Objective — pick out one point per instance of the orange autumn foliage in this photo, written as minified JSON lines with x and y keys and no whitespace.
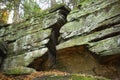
{"x":3,"y":16}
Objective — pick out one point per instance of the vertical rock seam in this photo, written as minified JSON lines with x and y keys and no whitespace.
{"x":55,"y":23}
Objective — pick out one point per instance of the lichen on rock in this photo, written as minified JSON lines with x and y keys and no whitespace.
{"x":29,"y":39}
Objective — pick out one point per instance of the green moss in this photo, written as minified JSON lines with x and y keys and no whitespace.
{"x":19,"y":70}
{"x":86,"y":2}
{"x":14,"y":71}
{"x":80,"y":77}
{"x":70,"y":77}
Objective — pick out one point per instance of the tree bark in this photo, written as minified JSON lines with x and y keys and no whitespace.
{"x":16,"y":11}
{"x":53,"y":2}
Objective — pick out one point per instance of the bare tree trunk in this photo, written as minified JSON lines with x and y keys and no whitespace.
{"x":16,"y":11}
{"x":63,"y":1}
{"x":53,"y":2}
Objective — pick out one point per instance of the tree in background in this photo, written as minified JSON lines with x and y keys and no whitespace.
{"x":23,"y":9}
{"x":11,"y":5}
{"x":4,"y":13}
{"x":16,"y":4}
{"x":30,"y":8}
{"x":53,"y":2}
{"x":3,"y":16}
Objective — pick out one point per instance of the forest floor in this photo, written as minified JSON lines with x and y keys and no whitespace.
{"x":32,"y":75}
{"x":50,"y":75}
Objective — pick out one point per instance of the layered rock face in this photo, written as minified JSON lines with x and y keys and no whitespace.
{"x":87,"y":40}
{"x":31,"y":39}
{"x":95,"y":24}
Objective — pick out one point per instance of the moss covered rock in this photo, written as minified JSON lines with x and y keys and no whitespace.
{"x":29,"y":39}
{"x":96,"y":24}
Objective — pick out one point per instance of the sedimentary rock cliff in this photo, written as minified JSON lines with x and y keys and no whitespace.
{"x":86,"y":40}
{"x":95,"y":24}
{"x":30,"y":39}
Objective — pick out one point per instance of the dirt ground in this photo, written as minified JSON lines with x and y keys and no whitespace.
{"x":32,"y":75}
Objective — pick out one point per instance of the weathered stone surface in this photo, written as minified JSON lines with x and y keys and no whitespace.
{"x":107,"y":46}
{"x":18,"y":64}
{"x":56,"y":17}
{"x":26,"y":41}
{"x":94,"y":26}
{"x":54,"y":20}
{"x":90,"y":38}
{"x":30,"y":39}
{"x":30,"y":42}
{"x":90,"y":7}
{"x":21,"y":29}
{"x":98,"y":29}
{"x":86,"y":23}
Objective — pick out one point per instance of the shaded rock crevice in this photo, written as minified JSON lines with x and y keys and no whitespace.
{"x":29,"y":40}
{"x":115,"y":32}
{"x":55,"y":24}
{"x":106,"y":24}
{"x":3,"y":51}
